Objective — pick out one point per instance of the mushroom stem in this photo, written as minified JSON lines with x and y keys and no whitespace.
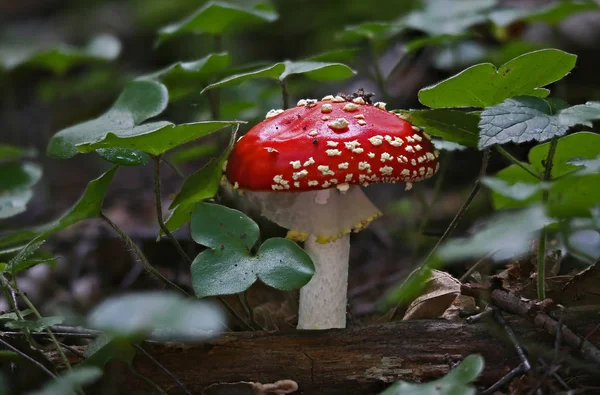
{"x":323,"y":299}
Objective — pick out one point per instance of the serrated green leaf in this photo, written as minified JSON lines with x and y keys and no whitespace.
{"x":228,"y":267}
{"x":88,"y":206}
{"x":70,"y":381}
{"x":581,"y":144}
{"x":10,"y":153}
{"x":156,"y":138}
{"x":217,"y":226}
{"x":456,"y":382}
{"x":139,"y":101}
{"x":183,"y":78}
{"x":518,"y":120}
{"x":37,"y":325}
{"x":455,"y":126}
{"x":319,"y":71}
{"x":218,"y":17}
{"x":16,"y":181}
{"x":448,"y":16}
{"x":161,"y":315}
{"x":483,"y":85}
{"x":504,"y":236}
{"x":102,"y":48}
{"x":124,"y":156}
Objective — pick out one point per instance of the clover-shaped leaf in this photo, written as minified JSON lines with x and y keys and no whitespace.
{"x":229,"y":267}
{"x":218,"y":17}
{"x":456,"y":382}
{"x":182,"y":78}
{"x":102,"y":48}
{"x":455,"y":126}
{"x":483,"y":85}
{"x":16,"y":181}
{"x":88,"y":206}
{"x":320,"y":71}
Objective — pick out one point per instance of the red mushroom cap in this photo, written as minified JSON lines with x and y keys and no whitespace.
{"x":330,"y":143}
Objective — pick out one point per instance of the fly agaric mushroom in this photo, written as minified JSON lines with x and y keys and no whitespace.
{"x":304,"y":167}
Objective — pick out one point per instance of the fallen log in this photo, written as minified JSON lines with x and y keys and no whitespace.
{"x":358,"y":360}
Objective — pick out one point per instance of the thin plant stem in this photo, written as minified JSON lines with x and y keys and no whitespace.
{"x":234,"y":313}
{"x":515,"y":161}
{"x":27,"y":357}
{"x":174,"y":167}
{"x":10,"y":296}
{"x":157,"y":388}
{"x":285,"y":96}
{"x":465,"y":206}
{"x":140,"y":255}
{"x":159,"y":212}
{"x":541,"y":269}
{"x":243,"y":298}
{"x":168,"y":372}
{"x":475,"y":266}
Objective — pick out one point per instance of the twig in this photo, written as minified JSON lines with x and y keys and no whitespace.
{"x":535,"y":310}
{"x":466,"y":204}
{"x":159,"y":213}
{"x":515,"y":161}
{"x":27,"y":357}
{"x":285,"y":97}
{"x":164,"y":369}
{"x":541,"y":269}
{"x":513,"y":338}
{"x":475,"y":318}
{"x":140,"y":255}
{"x":519,"y":370}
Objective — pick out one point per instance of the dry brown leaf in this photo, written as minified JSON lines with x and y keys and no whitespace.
{"x":462,"y":304}
{"x":439,"y":292}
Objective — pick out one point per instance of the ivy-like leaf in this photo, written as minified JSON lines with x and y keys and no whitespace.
{"x":218,"y":17}
{"x":455,"y":126}
{"x":518,"y":120}
{"x":16,"y":181}
{"x":319,"y":71}
{"x":101,"y":49}
{"x":70,"y":381}
{"x":483,"y":85}
{"x":37,"y":325}
{"x":88,"y":206}
{"x":505,"y":236}
{"x":139,"y":101}
{"x":454,"y":383}
{"x":161,"y":315}
{"x":10,"y":153}
{"x":448,"y":16}
{"x":183,"y":78}
{"x":228,"y":266}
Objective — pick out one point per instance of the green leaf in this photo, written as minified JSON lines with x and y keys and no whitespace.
{"x":582,"y":114}
{"x":179,"y":216}
{"x":201,"y":185}
{"x":16,"y":181}
{"x":124,"y":156}
{"x":504,"y":236}
{"x":342,"y":55}
{"x":156,"y":138}
{"x":448,"y":16}
{"x":431,"y":41}
{"x":319,"y":71}
{"x":183,"y":78}
{"x":516,"y":191}
{"x":101,"y":49}
{"x":13,"y":316}
{"x":372,"y":31}
{"x":483,"y":85}
{"x":456,"y":382}
{"x":518,"y":120}
{"x":218,"y":17}
{"x":105,"y":348}
{"x":574,"y":195}
{"x":196,"y":151}
{"x":455,"y":126}
{"x":515,"y":176}
{"x":551,"y":14}
{"x":37,"y":258}
{"x":581,"y":144}
{"x":70,"y":381}
{"x":228,"y":266}
{"x":11,"y":153}
{"x":139,"y":101}
{"x":37,"y":325}
{"x":162,"y":315}
{"x":88,"y":206}
{"x":590,"y":166}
